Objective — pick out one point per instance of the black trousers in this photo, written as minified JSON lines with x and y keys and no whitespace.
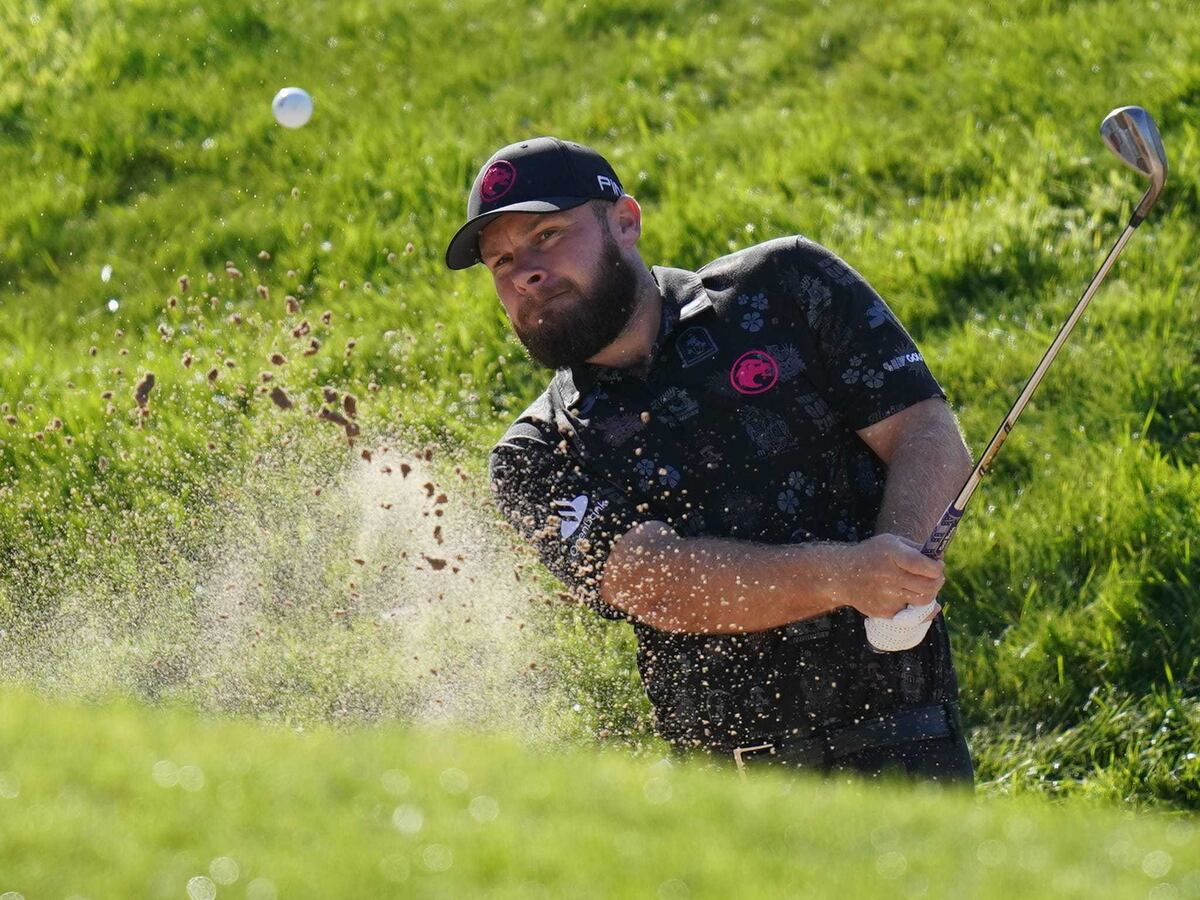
{"x":945,"y":759}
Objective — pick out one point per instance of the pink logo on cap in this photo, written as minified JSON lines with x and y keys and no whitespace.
{"x":498,"y":180}
{"x":754,"y":372}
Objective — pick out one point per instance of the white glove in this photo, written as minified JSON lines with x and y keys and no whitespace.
{"x":903,"y":631}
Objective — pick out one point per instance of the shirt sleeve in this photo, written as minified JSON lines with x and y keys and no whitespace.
{"x":570,"y":516}
{"x":873,"y":368}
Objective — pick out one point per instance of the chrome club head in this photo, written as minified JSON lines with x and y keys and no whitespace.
{"x":1132,"y":135}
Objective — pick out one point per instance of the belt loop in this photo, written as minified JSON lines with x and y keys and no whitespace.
{"x":737,"y":756}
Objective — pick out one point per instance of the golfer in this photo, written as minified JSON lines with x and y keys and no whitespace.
{"x":739,"y":461}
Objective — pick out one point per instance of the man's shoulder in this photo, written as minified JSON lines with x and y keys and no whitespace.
{"x":790,"y":248}
{"x":763,"y":263}
{"x":755,"y":253}
{"x":532,"y":452}
{"x":536,"y":427}
{"x":534,"y":424}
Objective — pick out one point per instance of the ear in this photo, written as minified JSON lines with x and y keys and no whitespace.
{"x":625,"y":221}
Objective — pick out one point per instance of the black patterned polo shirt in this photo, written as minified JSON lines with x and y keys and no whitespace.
{"x":767,"y":362}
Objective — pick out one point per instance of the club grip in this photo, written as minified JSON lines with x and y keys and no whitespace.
{"x":935,"y":546}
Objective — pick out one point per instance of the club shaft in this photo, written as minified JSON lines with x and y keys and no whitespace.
{"x":936,"y":545}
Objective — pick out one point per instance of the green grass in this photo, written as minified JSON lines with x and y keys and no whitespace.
{"x":950,"y":153}
{"x":160,"y":799}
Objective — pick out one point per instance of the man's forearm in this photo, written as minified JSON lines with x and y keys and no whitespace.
{"x":717,"y":586}
{"x":721,"y":586}
{"x":926,"y":471}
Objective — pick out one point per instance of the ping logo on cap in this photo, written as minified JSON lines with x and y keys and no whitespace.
{"x":607,"y":184}
{"x":498,"y":180}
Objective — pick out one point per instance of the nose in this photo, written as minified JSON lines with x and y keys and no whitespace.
{"x":527,"y":271}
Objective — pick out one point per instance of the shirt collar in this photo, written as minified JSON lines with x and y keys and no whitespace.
{"x":683,"y":296}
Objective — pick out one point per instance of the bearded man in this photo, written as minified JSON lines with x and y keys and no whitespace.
{"x":739,"y":461}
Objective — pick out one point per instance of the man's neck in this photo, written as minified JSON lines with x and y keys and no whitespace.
{"x":631,"y":349}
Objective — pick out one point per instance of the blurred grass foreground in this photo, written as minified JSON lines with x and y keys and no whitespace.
{"x":161,"y":806}
{"x":289,"y":521}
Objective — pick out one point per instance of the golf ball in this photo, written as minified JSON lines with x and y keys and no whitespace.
{"x":293,"y":107}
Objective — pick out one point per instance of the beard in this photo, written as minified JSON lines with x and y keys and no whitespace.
{"x":569,"y":333}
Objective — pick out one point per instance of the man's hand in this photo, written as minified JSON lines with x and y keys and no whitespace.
{"x":883,"y":574}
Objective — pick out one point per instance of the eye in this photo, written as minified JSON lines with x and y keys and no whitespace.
{"x":499,"y":261}
{"x":547,"y":232}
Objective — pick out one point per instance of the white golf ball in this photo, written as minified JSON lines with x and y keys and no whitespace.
{"x":293,"y":107}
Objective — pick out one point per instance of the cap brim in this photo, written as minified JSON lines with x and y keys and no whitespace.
{"x":463,"y":251}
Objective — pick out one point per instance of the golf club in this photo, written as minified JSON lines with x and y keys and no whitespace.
{"x":1131,"y":134}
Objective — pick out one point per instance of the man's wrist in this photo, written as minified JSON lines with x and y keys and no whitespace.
{"x":820,"y":572}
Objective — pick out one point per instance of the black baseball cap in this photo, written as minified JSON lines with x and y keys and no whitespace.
{"x":539,"y":175}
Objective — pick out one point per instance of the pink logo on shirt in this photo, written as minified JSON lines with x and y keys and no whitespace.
{"x":755,"y":372}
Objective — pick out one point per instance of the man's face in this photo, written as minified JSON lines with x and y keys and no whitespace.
{"x":563,"y":281}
